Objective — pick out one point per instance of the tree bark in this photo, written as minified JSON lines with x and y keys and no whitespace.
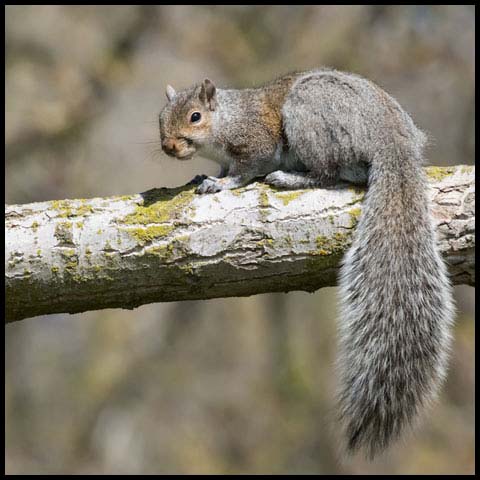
{"x":171,"y":244}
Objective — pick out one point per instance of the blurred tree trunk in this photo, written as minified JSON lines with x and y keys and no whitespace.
{"x":171,"y":244}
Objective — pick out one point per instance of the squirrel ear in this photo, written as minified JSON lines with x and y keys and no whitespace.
{"x":170,"y":91}
{"x":208,"y":94}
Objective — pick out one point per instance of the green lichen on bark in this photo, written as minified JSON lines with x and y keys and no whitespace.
{"x":67,"y":208}
{"x":63,"y":233}
{"x":70,"y":259}
{"x":354,"y":215}
{"x":149,"y":233}
{"x":264,"y":201}
{"x":163,"y":251}
{"x":265,"y":242}
{"x":161,"y":205}
{"x":329,"y":252}
{"x":237,"y":191}
{"x":177,"y":247}
{"x":287,"y":197}
{"x":466,"y":169}
{"x":439,"y":173}
{"x":334,"y":245}
{"x":158,"y":214}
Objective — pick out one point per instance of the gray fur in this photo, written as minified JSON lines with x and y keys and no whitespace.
{"x":395,"y":296}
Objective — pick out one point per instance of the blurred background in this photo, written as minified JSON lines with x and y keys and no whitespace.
{"x":238,"y":385}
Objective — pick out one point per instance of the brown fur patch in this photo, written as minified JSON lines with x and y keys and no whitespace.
{"x":274,"y":97}
{"x":238,"y":150}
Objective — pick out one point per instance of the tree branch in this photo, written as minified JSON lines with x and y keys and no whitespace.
{"x":170,"y":244}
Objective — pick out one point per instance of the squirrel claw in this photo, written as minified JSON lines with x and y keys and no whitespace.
{"x":209,"y":185}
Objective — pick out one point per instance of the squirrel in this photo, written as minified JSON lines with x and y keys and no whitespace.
{"x":314,"y":129}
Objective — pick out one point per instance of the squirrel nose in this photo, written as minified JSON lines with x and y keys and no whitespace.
{"x":169,"y":145}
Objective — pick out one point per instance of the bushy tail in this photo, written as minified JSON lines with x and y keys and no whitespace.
{"x":396,"y":308}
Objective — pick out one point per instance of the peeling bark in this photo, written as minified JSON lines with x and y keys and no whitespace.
{"x":171,"y":244}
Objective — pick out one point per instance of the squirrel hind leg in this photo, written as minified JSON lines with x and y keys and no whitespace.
{"x":355,"y":173}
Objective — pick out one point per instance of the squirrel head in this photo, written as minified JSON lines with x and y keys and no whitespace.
{"x":186,"y":120}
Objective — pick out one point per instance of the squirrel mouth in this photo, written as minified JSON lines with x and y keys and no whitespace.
{"x":187,"y":150}
{"x":185,"y":156}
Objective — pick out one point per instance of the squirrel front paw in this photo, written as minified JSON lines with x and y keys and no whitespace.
{"x":210,"y":185}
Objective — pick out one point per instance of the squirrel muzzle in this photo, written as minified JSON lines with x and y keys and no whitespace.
{"x":180,"y":148}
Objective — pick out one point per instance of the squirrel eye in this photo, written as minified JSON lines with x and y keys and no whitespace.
{"x":196,"y":116}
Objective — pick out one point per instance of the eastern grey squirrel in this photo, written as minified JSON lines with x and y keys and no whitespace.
{"x":312,"y":129}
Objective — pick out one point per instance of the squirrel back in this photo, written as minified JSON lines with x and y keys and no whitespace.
{"x":310,"y":130}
